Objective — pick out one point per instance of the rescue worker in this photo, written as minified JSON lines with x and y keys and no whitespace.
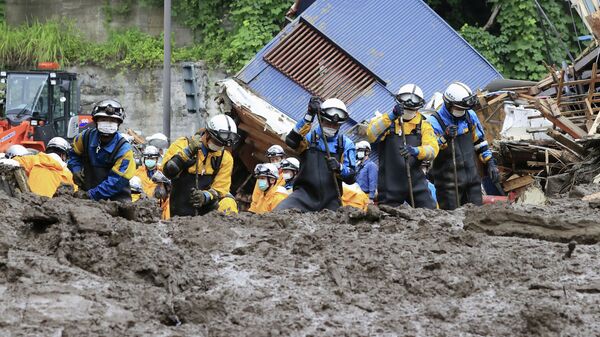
{"x":137,"y":192}
{"x":101,"y":159}
{"x":394,"y":155}
{"x":289,"y":170}
{"x":46,"y":171}
{"x":162,"y":192}
{"x":275,"y":154}
{"x":270,"y":193}
{"x":456,"y":125}
{"x":148,"y":168}
{"x":366,"y":171}
{"x":200,"y":167}
{"x":315,"y":187}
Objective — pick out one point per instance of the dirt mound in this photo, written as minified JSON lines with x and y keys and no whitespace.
{"x":77,"y":268}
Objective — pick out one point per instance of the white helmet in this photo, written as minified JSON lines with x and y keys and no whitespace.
{"x":58,"y":143}
{"x":275,"y":151}
{"x":135,"y":184}
{"x":290,"y":163}
{"x":459,"y":95}
{"x":222,"y":129}
{"x":151,"y":151}
{"x":411,"y":96}
{"x":159,"y":140}
{"x":266,"y":170}
{"x":17,"y":150}
{"x":334,"y":111}
{"x":9,"y":162}
{"x":363,"y":145}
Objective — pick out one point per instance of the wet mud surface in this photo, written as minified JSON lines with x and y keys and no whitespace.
{"x":77,"y":268}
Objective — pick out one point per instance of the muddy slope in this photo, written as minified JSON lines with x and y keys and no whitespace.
{"x":73,"y":268}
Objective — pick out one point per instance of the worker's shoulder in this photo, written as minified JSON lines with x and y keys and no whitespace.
{"x":473,"y":115}
{"x":227,"y":156}
{"x":348,"y":143}
{"x":282,"y":190}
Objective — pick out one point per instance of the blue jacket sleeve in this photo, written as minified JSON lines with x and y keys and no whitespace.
{"x":481,"y":145}
{"x":372,"y":172}
{"x":113,"y":184}
{"x":349,"y":165}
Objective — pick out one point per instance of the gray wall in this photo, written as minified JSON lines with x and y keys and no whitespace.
{"x":89,"y":17}
{"x":140,"y":92}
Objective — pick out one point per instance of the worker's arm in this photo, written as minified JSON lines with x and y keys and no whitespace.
{"x":481,"y":145}
{"x":278,"y":197}
{"x":379,"y":127}
{"x":75,"y":162}
{"x":118,"y":178}
{"x":372,"y":174}
{"x":429,"y":143}
{"x":296,"y":139}
{"x":348,"y":172}
{"x":26,"y":162}
{"x":222,"y":182}
{"x":438,"y":132}
{"x":177,"y":159}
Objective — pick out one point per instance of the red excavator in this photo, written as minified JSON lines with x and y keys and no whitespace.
{"x":39,"y":105}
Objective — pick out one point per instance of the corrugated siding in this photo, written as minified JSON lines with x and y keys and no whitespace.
{"x":400,"y":41}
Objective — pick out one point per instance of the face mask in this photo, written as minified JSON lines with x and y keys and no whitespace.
{"x":329,"y":132}
{"x":409,"y":114}
{"x":150,"y":163}
{"x":458,"y":113}
{"x":288,"y":176}
{"x":214,"y":147}
{"x":263,"y":184}
{"x":107,"y":128}
{"x":360,"y":154}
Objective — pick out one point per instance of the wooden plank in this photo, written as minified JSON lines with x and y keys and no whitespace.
{"x":516,"y":183}
{"x":549,"y":109}
{"x":594,"y":128}
{"x":559,"y":137}
{"x":561,"y":82}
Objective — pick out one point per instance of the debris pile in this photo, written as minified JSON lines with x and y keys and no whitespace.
{"x":548,"y":137}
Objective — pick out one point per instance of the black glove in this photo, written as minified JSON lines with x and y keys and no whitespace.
{"x":314,"y":105}
{"x":492,"y":171}
{"x":199,"y":198}
{"x":407,"y":151}
{"x":452,"y":131}
{"x":79,"y":179}
{"x":333,"y":165}
{"x":398,"y":110}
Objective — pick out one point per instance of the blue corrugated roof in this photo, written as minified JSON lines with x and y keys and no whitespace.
{"x":399,"y":41}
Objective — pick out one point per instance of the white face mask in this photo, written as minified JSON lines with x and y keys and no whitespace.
{"x":409,"y":114}
{"x":214,"y":147}
{"x":458,"y":113}
{"x":360,"y":154}
{"x":329,"y":132}
{"x":107,"y":128}
{"x":288,"y":176}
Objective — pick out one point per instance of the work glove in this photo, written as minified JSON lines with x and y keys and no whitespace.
{"x":492,"y":171}
{"x":194,"y":144}
{"x":314,"y":105}
{"x":398,"y":110}
{"x":199,"y":198}
{"x":452,"y":131}
{"x":79,"y":179}
{"x":408,"y":150}
{"x":334,"y":165}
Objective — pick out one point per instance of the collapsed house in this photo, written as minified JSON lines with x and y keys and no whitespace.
{"x":354,"y":50}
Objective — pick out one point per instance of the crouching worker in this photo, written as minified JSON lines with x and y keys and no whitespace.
{"x":101,"y":159}
{"x":397,"y":157}
{"x":315,"y":187}
{"x":200,"y":168}
{"x":270,"y":194}
{"x":46,"y":171}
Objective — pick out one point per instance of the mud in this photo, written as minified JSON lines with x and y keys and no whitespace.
{"x":72,"y":267}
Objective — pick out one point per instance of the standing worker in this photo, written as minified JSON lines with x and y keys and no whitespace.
{"x":270,"y":193}
{"x":322,"y":160}
{"x":459,"y":132}
{"x":394,"y":155}
{"x":101,"y":159}
{"x":46,"y":171}
{"x":200,"y":167}
{"x":366,"y":171}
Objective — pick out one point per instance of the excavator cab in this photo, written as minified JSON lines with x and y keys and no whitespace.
{"x":38,"y":106}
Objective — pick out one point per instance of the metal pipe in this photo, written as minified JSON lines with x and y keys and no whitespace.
{"x":167,"y":70}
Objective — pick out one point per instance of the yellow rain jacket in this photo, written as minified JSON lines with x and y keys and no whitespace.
{"x":147,"y":184}
{"x":354,"y":196}
{"x":227,"y":205}
{"x":45,"y":173}
{"x":268,"y":200}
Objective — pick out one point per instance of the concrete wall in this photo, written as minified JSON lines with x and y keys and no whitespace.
{"x":140,"y":92}
{"x":89,"y":17}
